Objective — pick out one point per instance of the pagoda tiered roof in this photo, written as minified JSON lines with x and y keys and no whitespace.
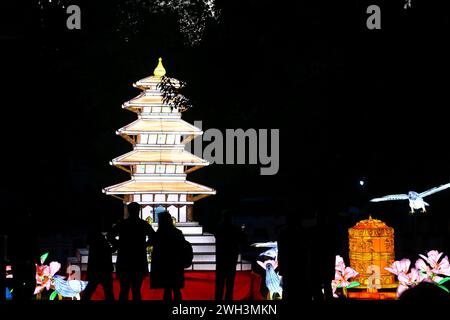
{"x":137,"y":186}
{"x":162,"y":126}
{"x":146,"y":100}
{"x":175,"y":156}
{"x":158,"y":162}
{"x":152,"y":83}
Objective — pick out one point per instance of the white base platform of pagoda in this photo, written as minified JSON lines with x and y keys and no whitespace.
{"x":203,"y":246}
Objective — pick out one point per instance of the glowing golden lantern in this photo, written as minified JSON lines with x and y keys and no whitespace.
{"x":371,"y":244}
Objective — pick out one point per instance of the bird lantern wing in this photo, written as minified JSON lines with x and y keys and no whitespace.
{"x":271,"y":244}
{"x":391,"y":197}
{"x":434,"y":190}
{"x":77,"y":285}
{"x":272,"y":253}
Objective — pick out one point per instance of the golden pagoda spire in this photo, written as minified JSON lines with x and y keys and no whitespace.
{"x":159,"y":70}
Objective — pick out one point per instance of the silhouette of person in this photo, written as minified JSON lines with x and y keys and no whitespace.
{"x":23,"y":253}
{"x":229,"y":240}
{"x":324,"y":242}
{"x":167,"y":270}
{"x":289,"y":235}
{"x":135,"y":236}
{"x":100,"y":265}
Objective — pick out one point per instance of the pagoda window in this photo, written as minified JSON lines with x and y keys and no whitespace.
{"x":182,"y":213}
{"x":170,"y":168}
{"x":160,"y":197}
{"x":147,"y":198}
{"x":150,"y":168}
{"x":147,"y":109}
{"x":174,"y":212}
{"x":140,"y":168}
{"x":147,"y":211}
{"x":166,"y":109}
{"x":182,"y":197}
{"x":170,"y":139}
{"x":143,"y":138}
{"x":160,"y":168}
{"x":180,"y":169}
{"x":162,"y":139}
{"x":156,"y":109}
{"x":152,"y":138}
{"x":177,"y":139}
{"x":172,"y":198}
{"x":136,"y":198}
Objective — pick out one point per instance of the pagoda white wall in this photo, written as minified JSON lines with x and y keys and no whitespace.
{"x":179,"y":212}
{"x":152,"y":139}
{"x":158,"y":169}
{"x":182,"y":214}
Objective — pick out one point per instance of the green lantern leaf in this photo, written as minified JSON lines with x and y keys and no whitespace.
{"x":444,"y":280}
{"x":53,"y":295}
{"x":353,"y":284}
{"x":443,"y":288}
{"x":44,"y":257}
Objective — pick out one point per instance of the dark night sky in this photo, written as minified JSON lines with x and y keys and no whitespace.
{"x":349,"y":102}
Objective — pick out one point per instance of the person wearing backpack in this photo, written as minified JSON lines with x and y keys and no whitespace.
{"x":168,"y":258}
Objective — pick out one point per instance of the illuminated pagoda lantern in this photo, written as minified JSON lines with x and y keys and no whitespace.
{"x":158,"y":166}
{"x":371,"y":249}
